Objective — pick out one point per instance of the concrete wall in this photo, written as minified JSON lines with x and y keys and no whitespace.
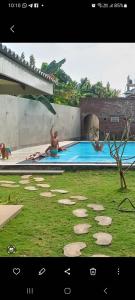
{"x":25,"y":122}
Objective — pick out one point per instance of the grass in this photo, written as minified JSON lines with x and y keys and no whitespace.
{"x":44,"y":226}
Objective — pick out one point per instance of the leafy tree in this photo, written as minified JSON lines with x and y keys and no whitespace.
{"x":68,"y":91}
{"x":32,"y":60}
{"x":22,"y":56}
{"x":54,"y":68}
{"x":44,"y":100}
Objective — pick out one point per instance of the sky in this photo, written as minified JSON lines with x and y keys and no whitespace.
{"x":104,"y":62}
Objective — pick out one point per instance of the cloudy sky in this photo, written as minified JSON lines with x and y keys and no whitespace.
{"x":104,"y":62}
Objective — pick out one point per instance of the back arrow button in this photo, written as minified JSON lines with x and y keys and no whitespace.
{"x":67,"y":271}
{"x":11,"y":28}
{"x":106,"y":291}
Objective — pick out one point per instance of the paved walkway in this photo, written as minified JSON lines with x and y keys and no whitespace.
{"x":8,"y":212}
{"x":21,"y":154}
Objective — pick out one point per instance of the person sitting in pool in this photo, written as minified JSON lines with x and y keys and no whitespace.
{"x":52,"y":151}
{"x":55,"y":140}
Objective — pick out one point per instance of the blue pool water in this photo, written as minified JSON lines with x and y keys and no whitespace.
{"x":84,"y":152}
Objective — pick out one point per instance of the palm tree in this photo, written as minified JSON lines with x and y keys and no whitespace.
{"x":45,"y":100}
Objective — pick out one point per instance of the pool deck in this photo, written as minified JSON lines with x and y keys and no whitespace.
{"x":20,"y":155}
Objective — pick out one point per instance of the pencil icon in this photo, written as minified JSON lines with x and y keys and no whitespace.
{"x":41,"y":272}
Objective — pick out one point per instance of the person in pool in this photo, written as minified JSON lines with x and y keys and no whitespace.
{"x":99,"y":146}
{"x":55,"y":143}
{"x":52,"y":151}
{"x":54,"y":138}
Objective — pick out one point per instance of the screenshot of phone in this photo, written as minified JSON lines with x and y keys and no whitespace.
{"x":67,"y":150}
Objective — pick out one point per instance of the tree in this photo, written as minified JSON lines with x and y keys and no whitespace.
{"x":69,"y":92}
{"x":22,"y":56}
{"x":54,"y":68}
{"x":32,"y":60}
{"x":117,"y":153}
{"x":44,"y":100}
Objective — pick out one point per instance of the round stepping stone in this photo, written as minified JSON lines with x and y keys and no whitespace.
{"x":10,"y":185}
{"x":81,"y":228}
{"x":99,"y":255}
{"x":44,"y":185}
{"x":24,"y":181}
{"x":66,"y":201}
{"x":6,"y":181}
{"x":79,"y":197}
{"x":26,"y":176}
{"x":103,"y":220}
{"x":47,"y":194}
{"x":103,"y":239}
{"x":80,"y":212}
{"x":39,"y":178}
{"x":60,"y":191}
{"x":30,"y":188}
{"x":74,"y":249}
{"x":96,"y":207}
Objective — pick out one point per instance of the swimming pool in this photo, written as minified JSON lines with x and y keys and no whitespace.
{"x":84,"y":153}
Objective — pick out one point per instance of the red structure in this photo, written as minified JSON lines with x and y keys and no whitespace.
{"x":107,"y":115}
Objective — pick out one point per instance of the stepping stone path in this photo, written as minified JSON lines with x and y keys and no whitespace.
{"x":39,"y":179}
{"x":99,"y":255}
{"x":79,"y":197}
{"x":30,"y":188}
{"x":60,"y":191}
{"x":96,"y":207}
{"x":81,"y":213}
{"x":47,"y":194}
{"x":74,"y":249}
{"x":103,"y":220}
{"x":26,"y":176}
{"x":103,"y":239}
{"x":44,"y":185}
{"x":24,"y":181}
{"x":10,"y":185}
{"x":66,"y":201}
{"x":5,"y":181}
{"x":81,"y":228}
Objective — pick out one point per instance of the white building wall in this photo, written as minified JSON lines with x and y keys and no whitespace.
{"x":25,"y":122}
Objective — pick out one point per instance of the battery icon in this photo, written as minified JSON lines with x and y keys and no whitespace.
{"x":36,"y":5}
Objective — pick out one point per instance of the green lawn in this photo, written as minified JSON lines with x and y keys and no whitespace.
{"x":44,"y":226}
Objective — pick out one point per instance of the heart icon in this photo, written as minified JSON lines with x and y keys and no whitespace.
{"x":16,"y":271}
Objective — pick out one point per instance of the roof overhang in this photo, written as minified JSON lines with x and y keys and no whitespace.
{"x":16,"y":79}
